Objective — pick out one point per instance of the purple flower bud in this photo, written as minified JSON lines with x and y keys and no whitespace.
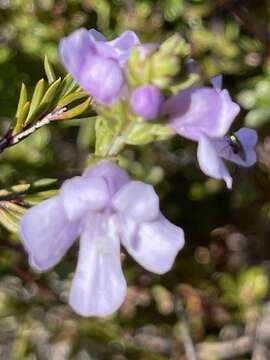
{"x":146,"y":101}
{"x":97,"y":64}
{"x":105,"y":209}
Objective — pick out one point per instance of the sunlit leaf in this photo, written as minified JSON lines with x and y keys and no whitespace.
{"x":71,"y":97}
{"x":49,"y":71}
{"x":36,"y":99}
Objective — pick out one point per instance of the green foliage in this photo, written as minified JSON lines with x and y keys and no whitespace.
{"x":213,"y":274}
{"x":246,"y":290}
{"x":49,"y":100}
{"x":255,"y":99}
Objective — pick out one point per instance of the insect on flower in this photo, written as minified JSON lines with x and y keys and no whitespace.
{"x":236,"y":146}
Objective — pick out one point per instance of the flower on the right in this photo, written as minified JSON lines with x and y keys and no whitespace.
{"x":205,"y":115}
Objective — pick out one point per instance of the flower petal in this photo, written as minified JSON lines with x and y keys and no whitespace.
{"x":246,"y":155}
{"x":229,"y":111}
{"x":248,"y":137}
{"x":102,"y":77}
{"x":194,"y":112}
{"x":138,"y":200}
{"x":96,"y":35}
{"x":216,"y":81}
{"x":99,"y":287}
{"x":74,"y":51}
{"x":210,"y":162}
{"x":114,"y":176}
{"x":81,"y":194}
{"x":47,"y":234}
{"x":154,"y":245}
{"x":124,"y":44}
{"x":201,"y":111}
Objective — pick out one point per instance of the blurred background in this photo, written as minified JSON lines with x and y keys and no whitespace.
{"x":222,"y":275}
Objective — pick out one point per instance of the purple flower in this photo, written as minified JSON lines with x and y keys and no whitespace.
{"x":146,"y":101}
{"x":205,"y":114}
{"x":97,"y":64}
{"x":105,"y":209}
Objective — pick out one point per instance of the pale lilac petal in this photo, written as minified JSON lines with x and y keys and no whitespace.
{"x":96,"y":35}
{"x":248,"y":137}
{"x":154,"y":245}
{"x":82,"y":194}
{"x":229,"y":111}
{"x":216,"y":81}
{"x":210,"y":162}
{"x":103,"y":78}
{"x":118,"y":49}
{"x":114,"y":176}
{"x":138,"y":200}
{"x":246,"y":156}
{"x":201,"y":111}
{"x":47,"y":234}
{"x":194,"y":112}
{"x":98,"y":287}
{"x":124,"y":44}
{"x":74,"y":51}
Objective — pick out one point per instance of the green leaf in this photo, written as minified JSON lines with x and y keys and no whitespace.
{"x":33,"y":199}
{"x":16,"y":209}
{"x":21,"y":118}
{"x":36,"y":99}
{"x":20,"y":188}
{"x":104,"y":136}
{"x":174,"y":45}
{"x":258,"y":117}
{"x":8,"y":220}
{"x":37,"y":113}
{"x":50,"y":93}
{"x":76,"y":111}
{"x":22,"y":99}
{"x":49,"y":71}
{"x":68,"y":85}
{"x":144,"y":133}
{"x":66,"y":100}
{"x":44,"y":182}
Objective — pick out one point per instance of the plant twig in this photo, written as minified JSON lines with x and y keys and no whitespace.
{"x":26,"y":277}
{"x":185,"y":333}
{"x":9,"y":139}
{"x":225,"y":349}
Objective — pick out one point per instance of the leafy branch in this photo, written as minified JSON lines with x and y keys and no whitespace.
{"x":52,"y":100}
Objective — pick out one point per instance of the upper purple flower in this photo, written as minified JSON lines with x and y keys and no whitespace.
{"x":146,"y":101}
{"x":104,"y":208}
{"x":97,"y":64}
{"x":205,"y":114}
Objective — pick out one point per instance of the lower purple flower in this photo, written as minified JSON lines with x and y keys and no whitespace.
{"x":105,"y":209}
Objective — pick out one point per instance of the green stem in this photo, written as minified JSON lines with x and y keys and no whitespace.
{"x":118,"y":142}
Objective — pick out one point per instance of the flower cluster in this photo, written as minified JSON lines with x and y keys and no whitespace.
{"x":201,"y":114}
{"x":105,"y":208}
